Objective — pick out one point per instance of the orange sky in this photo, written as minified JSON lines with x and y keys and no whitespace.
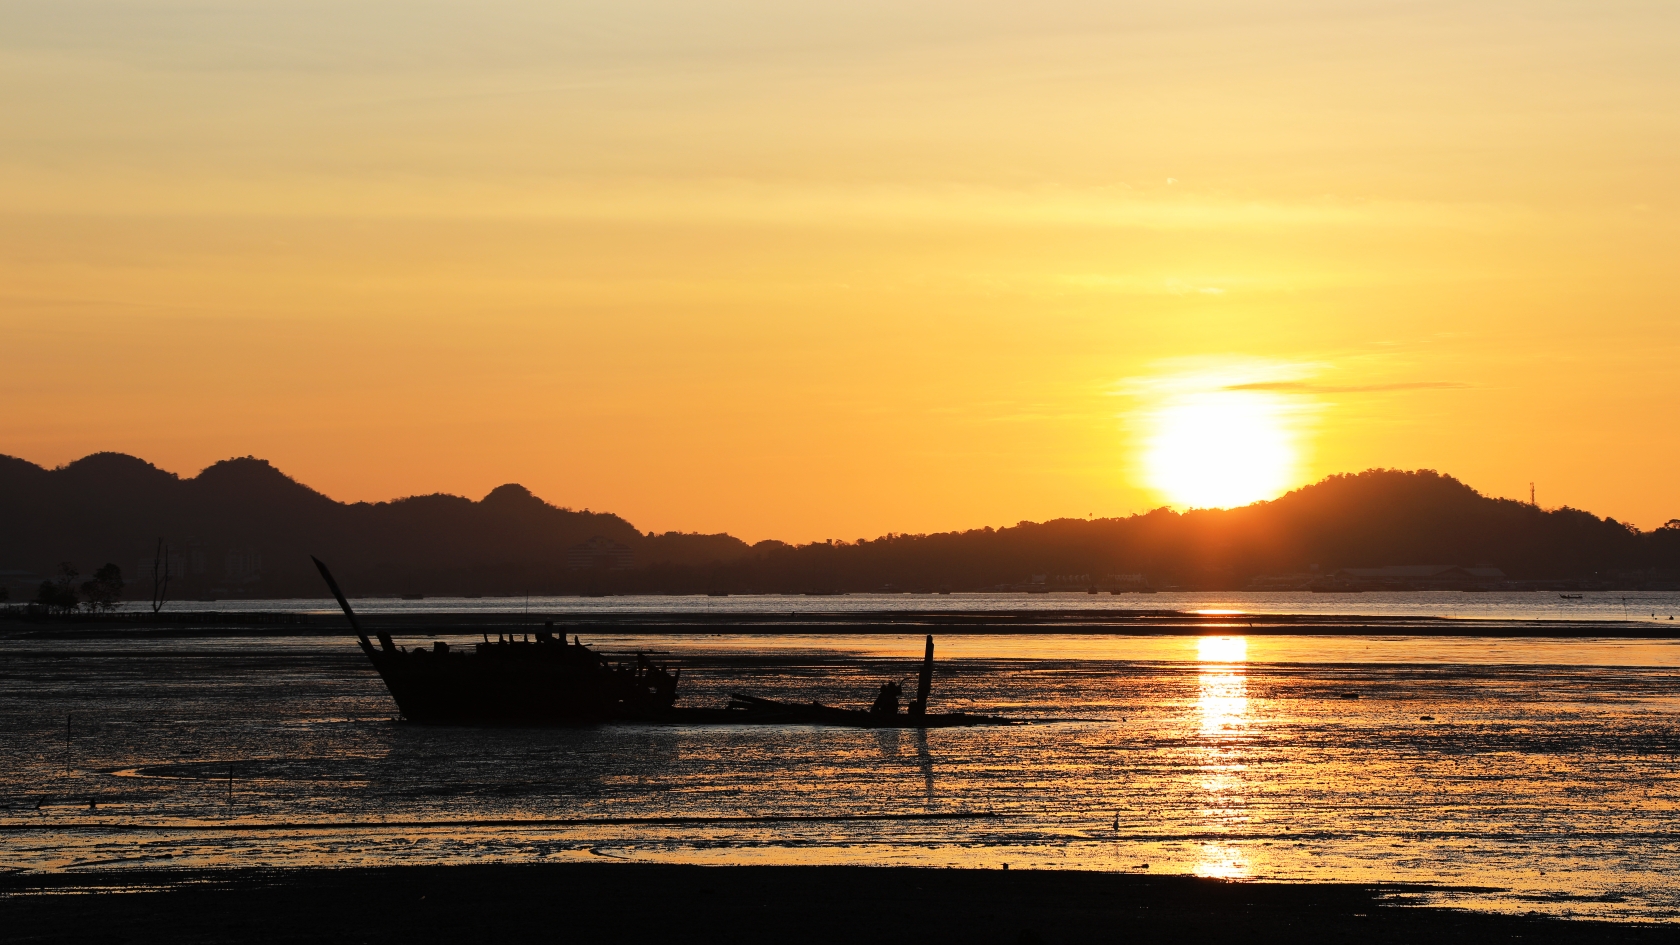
{"x":836,"y":269}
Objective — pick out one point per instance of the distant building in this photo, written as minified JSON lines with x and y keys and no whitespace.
{"x":242,"y":565}
{"x":599,"y":552}
{"x":193,"y":560}
{"x":1418,"y":577}
{"x":175,"y":563}
{"x":1282,"y":582}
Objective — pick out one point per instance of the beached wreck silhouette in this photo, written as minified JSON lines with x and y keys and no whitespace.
{"x":548,"y":681}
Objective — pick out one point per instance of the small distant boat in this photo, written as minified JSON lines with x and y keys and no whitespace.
{"x":1570,"y":596}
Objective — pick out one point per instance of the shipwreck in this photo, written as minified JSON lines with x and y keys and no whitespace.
{"x":548,"y":681}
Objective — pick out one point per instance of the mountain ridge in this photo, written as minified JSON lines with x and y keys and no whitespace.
{"x":114,"y":507}
{"x":242,"y":527}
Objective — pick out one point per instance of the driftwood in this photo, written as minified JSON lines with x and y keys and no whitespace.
{"x":753,"y":710}
{"x":883,"y":714}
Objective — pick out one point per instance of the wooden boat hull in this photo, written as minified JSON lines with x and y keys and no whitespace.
{"x":471,"y":689}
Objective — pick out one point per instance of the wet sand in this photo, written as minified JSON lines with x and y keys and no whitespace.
{"x":1546,"y":773}
{"x":740,"y":905}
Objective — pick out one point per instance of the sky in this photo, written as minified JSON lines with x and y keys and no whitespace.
{"x":833,"y":270}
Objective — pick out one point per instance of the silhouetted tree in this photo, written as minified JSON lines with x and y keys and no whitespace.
{"x":104,"y":589}
{"x":60,"y":596}
{"x":160,"y":576}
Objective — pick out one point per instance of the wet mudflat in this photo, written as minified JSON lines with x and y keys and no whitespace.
{"x":741,"y":905}
{"x":1507,"y":775}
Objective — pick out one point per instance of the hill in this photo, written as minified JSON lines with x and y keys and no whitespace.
{"x":1367,"y":520}
{"x":242,"y":528}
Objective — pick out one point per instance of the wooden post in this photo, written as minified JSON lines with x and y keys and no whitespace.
{"x":924,"y":682}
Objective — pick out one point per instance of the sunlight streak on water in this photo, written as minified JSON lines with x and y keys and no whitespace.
{"x":1222,"y":702}
{"x":1221,"y":862}
{"x":1222,"y":689}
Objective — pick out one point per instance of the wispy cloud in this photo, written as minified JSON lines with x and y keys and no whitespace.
{"x":1304,"y":387}
{"x":1210,"y":373}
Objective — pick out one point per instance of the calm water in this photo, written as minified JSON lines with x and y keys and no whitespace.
{"x":1525,"y":605}
{"x":1528,"y":774}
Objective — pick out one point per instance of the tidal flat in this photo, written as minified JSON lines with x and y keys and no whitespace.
{"x":1501,"y":775}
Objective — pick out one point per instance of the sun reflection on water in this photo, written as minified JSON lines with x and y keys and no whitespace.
{"x":1222,"y":689}
{"x":1222,"y":701}
{"x":1222,"y":649}
{"x":1221,"y":862}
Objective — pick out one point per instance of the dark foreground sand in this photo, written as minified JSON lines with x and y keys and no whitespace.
{"x":639,"y":904}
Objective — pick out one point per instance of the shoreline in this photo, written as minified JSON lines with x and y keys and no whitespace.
{"x":1001,"y":622}
{"x":741,"y":905}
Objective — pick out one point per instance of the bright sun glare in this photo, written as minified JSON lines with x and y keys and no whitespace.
{"x":1222,"y":649}
{"x":1221,"y":448}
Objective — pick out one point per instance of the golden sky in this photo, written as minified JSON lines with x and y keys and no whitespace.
{"x":827,"y":270}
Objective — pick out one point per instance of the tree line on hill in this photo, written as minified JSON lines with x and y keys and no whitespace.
{"x":241,"y":528}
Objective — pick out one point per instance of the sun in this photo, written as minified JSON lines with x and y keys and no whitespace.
{"x":1220,"y":448}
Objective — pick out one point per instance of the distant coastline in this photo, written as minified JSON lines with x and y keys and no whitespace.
{"x":990,"y":615}
{"x":243,"y":530}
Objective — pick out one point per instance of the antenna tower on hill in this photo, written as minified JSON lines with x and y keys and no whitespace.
{"x":1531,"y":496}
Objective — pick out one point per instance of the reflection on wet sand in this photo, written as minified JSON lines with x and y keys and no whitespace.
{"x":891,"y":743}
{"x":1222,"y":688}
{"x":1222,"y":702}
{"x":925,"y":759}
{"x":1221,"y":861}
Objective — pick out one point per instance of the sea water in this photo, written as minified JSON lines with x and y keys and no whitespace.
{"x":1640,"y":606}
{"x":1508,"y":774}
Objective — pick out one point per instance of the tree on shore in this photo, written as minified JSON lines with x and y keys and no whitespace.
{"x":60,"y":596}
{"x":104,"y":589}
{"x":160,"y":577}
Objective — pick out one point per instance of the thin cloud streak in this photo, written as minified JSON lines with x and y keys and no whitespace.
{"x":1302,"y":387}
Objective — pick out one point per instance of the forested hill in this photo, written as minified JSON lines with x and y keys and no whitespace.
{"x":243,"y":528}
{"x":1366,"y":520}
